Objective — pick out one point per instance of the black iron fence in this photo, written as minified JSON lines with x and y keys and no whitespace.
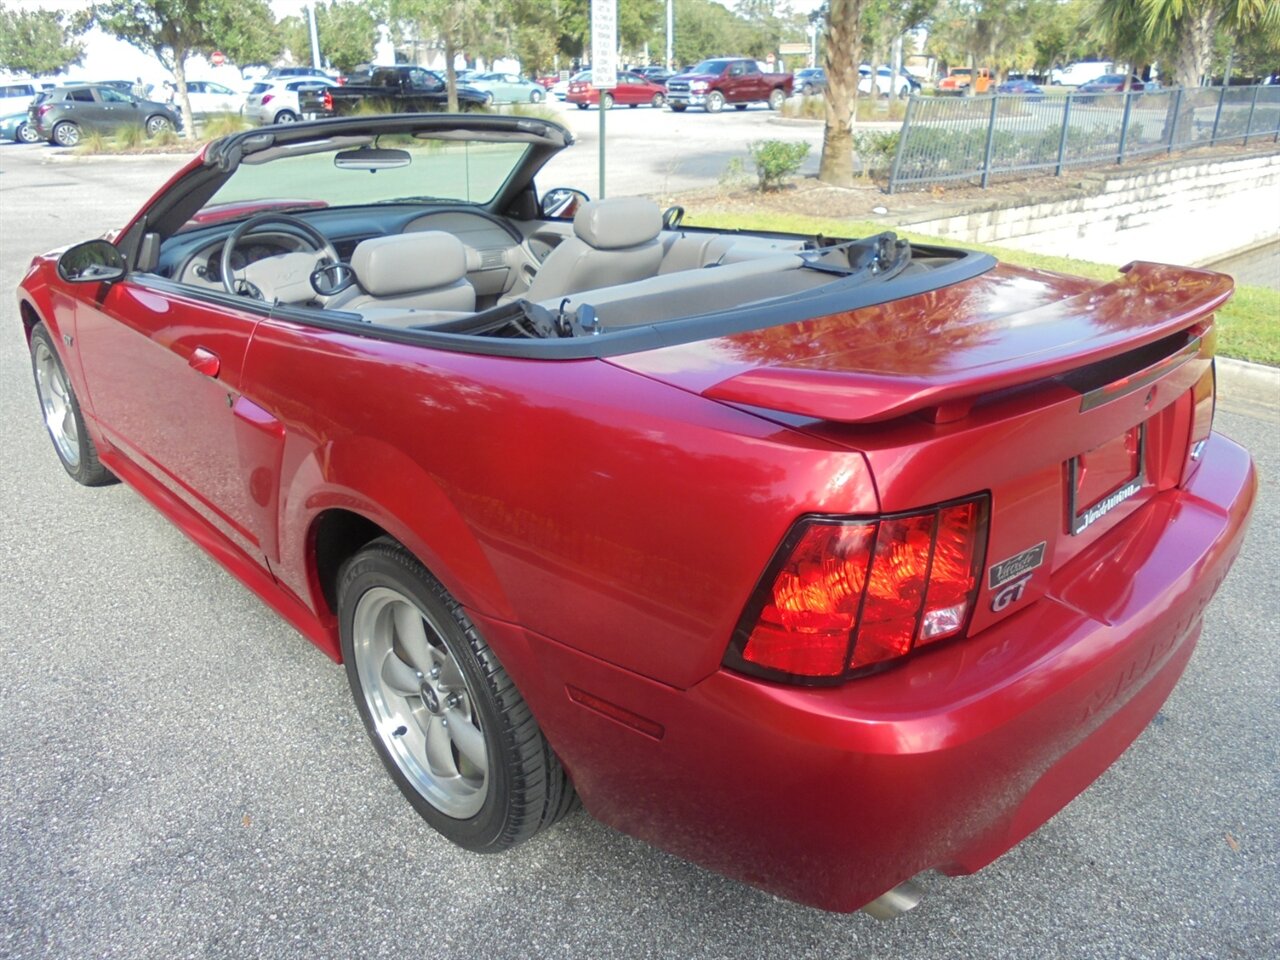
{"x":978,"y":139}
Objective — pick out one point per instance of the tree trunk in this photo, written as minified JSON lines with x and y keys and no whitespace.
{"x":450,"y":75}
{"x":840,"y":58}
{"x":184,"y":99}
{"x":1195,"y":44}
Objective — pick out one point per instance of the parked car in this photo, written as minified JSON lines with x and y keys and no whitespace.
{"x":810,"y":80}
{"x":728,"y":80}
{"x":1079,"y":73}
{"x":1111,"y":83}
{"x":832,"y":563}
{"x":1023,"y":88}
{"x":900,"y":86}
{"x":548,"y":81}
{"x":276,"y":101}
{"x":19,"y":128}
{"x":64,"y":114}
{"x":560,"y":89}
{"x":655,"y":74}
{"x":17,"y":95}
{"x":400,"y":89}
{"x":631,"y":91}
{"x":286,"y":73}
{"x":208,"y":98}
{"x":507,"y":88}
{"x":958,"y":80}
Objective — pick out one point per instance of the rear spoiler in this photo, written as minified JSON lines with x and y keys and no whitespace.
{"x":1148,"y":302}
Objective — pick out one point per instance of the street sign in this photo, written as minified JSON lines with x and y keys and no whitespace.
{"x":604,"y":44}
{"x":217,"y":58}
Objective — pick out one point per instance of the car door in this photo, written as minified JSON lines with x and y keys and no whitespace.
{"x":117,"y":109}
{"x":755,"y":86}
{"x":163,"y":368}
{"x":196,"y":93}
{"x":732,"y":83}
{"x":221,"y":99}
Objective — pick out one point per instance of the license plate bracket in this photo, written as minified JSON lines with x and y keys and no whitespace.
{"x":1086,"y":504}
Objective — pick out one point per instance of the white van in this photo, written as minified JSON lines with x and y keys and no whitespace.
{"x":1082,"y":72}
{"x":15,"y":95}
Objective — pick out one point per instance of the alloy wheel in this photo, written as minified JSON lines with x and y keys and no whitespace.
{"x":55,"y":403}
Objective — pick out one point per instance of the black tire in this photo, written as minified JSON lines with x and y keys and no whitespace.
{"x":659,"y":101}
{"x":526,"y":788}
{"x":677,"y":107}
{"x":536,"y":96}
{"x":776,"y":99}
{"x":65,"y":134}
{"x":285,"y":116}
{"x":714,"y":102}
{"x":78,"y":455}
{"x":806,"y":90}
{"x":740,"y":106}
{"x":583,"y":106}
{"x":26,"y":133}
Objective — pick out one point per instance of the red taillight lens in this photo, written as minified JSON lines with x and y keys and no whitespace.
{"x":328,"y":100}
{"x":844,"y":595}
{"x":45,"y":108}
{"x":1204,"y":400}
{"x":267,"y":98}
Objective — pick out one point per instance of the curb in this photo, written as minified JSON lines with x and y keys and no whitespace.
{"x":1251,"y":383}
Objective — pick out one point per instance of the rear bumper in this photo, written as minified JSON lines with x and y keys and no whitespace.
{"x":833,"y":796}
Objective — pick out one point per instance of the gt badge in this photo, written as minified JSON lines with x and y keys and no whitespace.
{"x":1016,"y":567}
{"x":1009,"y":593}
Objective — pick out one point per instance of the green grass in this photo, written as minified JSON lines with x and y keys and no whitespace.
{"x":1248,"y":326}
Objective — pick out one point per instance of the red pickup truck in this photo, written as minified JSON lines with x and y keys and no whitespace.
{"x":736,"y":80}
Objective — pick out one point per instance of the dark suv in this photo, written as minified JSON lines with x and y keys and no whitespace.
{"x":64,"y":114}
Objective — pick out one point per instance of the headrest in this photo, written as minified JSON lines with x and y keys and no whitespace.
{"x":409,"y":262}
{"x":618,"y":222}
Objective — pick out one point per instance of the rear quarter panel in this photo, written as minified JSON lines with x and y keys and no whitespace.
{"x":617,"y":515}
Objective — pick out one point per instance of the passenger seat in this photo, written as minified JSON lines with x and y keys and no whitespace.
{"x":615,"y":241}
{"x":419,"y":271}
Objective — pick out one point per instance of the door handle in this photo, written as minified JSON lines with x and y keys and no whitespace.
{"x":204,"y":362}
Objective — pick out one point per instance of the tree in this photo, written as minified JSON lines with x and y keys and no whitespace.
{"x":173,"y":30}
{"x":1189,"y":26}
{"x":347,"y":30}
{"x":993,"y":33}
{"x":475,"y":27}
{"x":40,"y":41}
{"x":842,"y":33}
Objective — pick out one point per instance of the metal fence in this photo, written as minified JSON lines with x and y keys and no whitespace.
{"x":949,"y":139}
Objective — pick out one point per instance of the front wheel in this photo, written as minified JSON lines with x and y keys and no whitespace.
{"x":157,"y":125}
{"x":28,"y":134}
{"x":776,"y":99}
{"x":583,"y":106}
{"x":443,"y":715}
{"x":535,"y":96}
{"x":61,"y":412}
{"x":658,"y":102}
{"x":606,"y":101}
{"x":677,"y":107}
{"x":715,"y":102}
{"x":66,"y":134}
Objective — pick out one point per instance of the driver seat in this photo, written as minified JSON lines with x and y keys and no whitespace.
{"x":414,"y":271}
{"x":615,"y":241}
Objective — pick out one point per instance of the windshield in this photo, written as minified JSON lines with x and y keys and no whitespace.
{"x":710,"y":66}
{"x":424,"y":170}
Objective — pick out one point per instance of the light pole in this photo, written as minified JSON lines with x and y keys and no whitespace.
{"x":671,"y":33}
{"x":315,"y":36}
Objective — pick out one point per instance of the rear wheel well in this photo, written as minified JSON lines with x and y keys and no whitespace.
{"x":336,"y":536}
{"x":29,"y":318}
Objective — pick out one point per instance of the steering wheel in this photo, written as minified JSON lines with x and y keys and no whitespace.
{"x":672,"y":217}
{"x":319,"y":242}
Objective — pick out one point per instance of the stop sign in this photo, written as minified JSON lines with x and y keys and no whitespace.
{"x":217,"y":59}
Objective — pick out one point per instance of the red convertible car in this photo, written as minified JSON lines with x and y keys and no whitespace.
{"x":818,"y":562}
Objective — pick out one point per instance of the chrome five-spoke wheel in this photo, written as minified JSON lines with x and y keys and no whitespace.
{"x":448,"y":722}
{"x":418,"y":698}
{"x":55,"y":403}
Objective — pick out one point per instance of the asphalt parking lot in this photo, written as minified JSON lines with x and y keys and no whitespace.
{"x":182,"y":775}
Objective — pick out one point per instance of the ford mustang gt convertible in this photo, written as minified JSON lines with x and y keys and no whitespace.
{"x":819,"y":562}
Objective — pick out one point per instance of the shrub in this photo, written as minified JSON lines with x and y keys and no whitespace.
{"x":776,"y":160}
{"x":223,"y":125}
{"x":875,"y":148}
{"x":129,"y":136}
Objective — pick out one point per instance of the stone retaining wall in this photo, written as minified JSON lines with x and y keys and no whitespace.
{"x":1176,"y":212}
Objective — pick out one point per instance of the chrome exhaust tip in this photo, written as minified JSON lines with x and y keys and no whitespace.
{"x":895,"y":902}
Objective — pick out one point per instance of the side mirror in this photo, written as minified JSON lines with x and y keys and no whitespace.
{"x":95,"y":261}
{"x":562,"y":203}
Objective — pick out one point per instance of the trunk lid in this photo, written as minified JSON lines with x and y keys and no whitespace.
{"x":1072,"y":403}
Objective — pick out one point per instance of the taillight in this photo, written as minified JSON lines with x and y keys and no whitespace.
{"x":328,"y":100}
{"x":1204,"y":399}
{"x":267,"y":98}
{"x":843,"y":596}
{"x":45,"y":108}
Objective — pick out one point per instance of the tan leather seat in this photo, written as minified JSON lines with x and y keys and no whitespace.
{"x":418,"y":271}
{"x":615,"y":241}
